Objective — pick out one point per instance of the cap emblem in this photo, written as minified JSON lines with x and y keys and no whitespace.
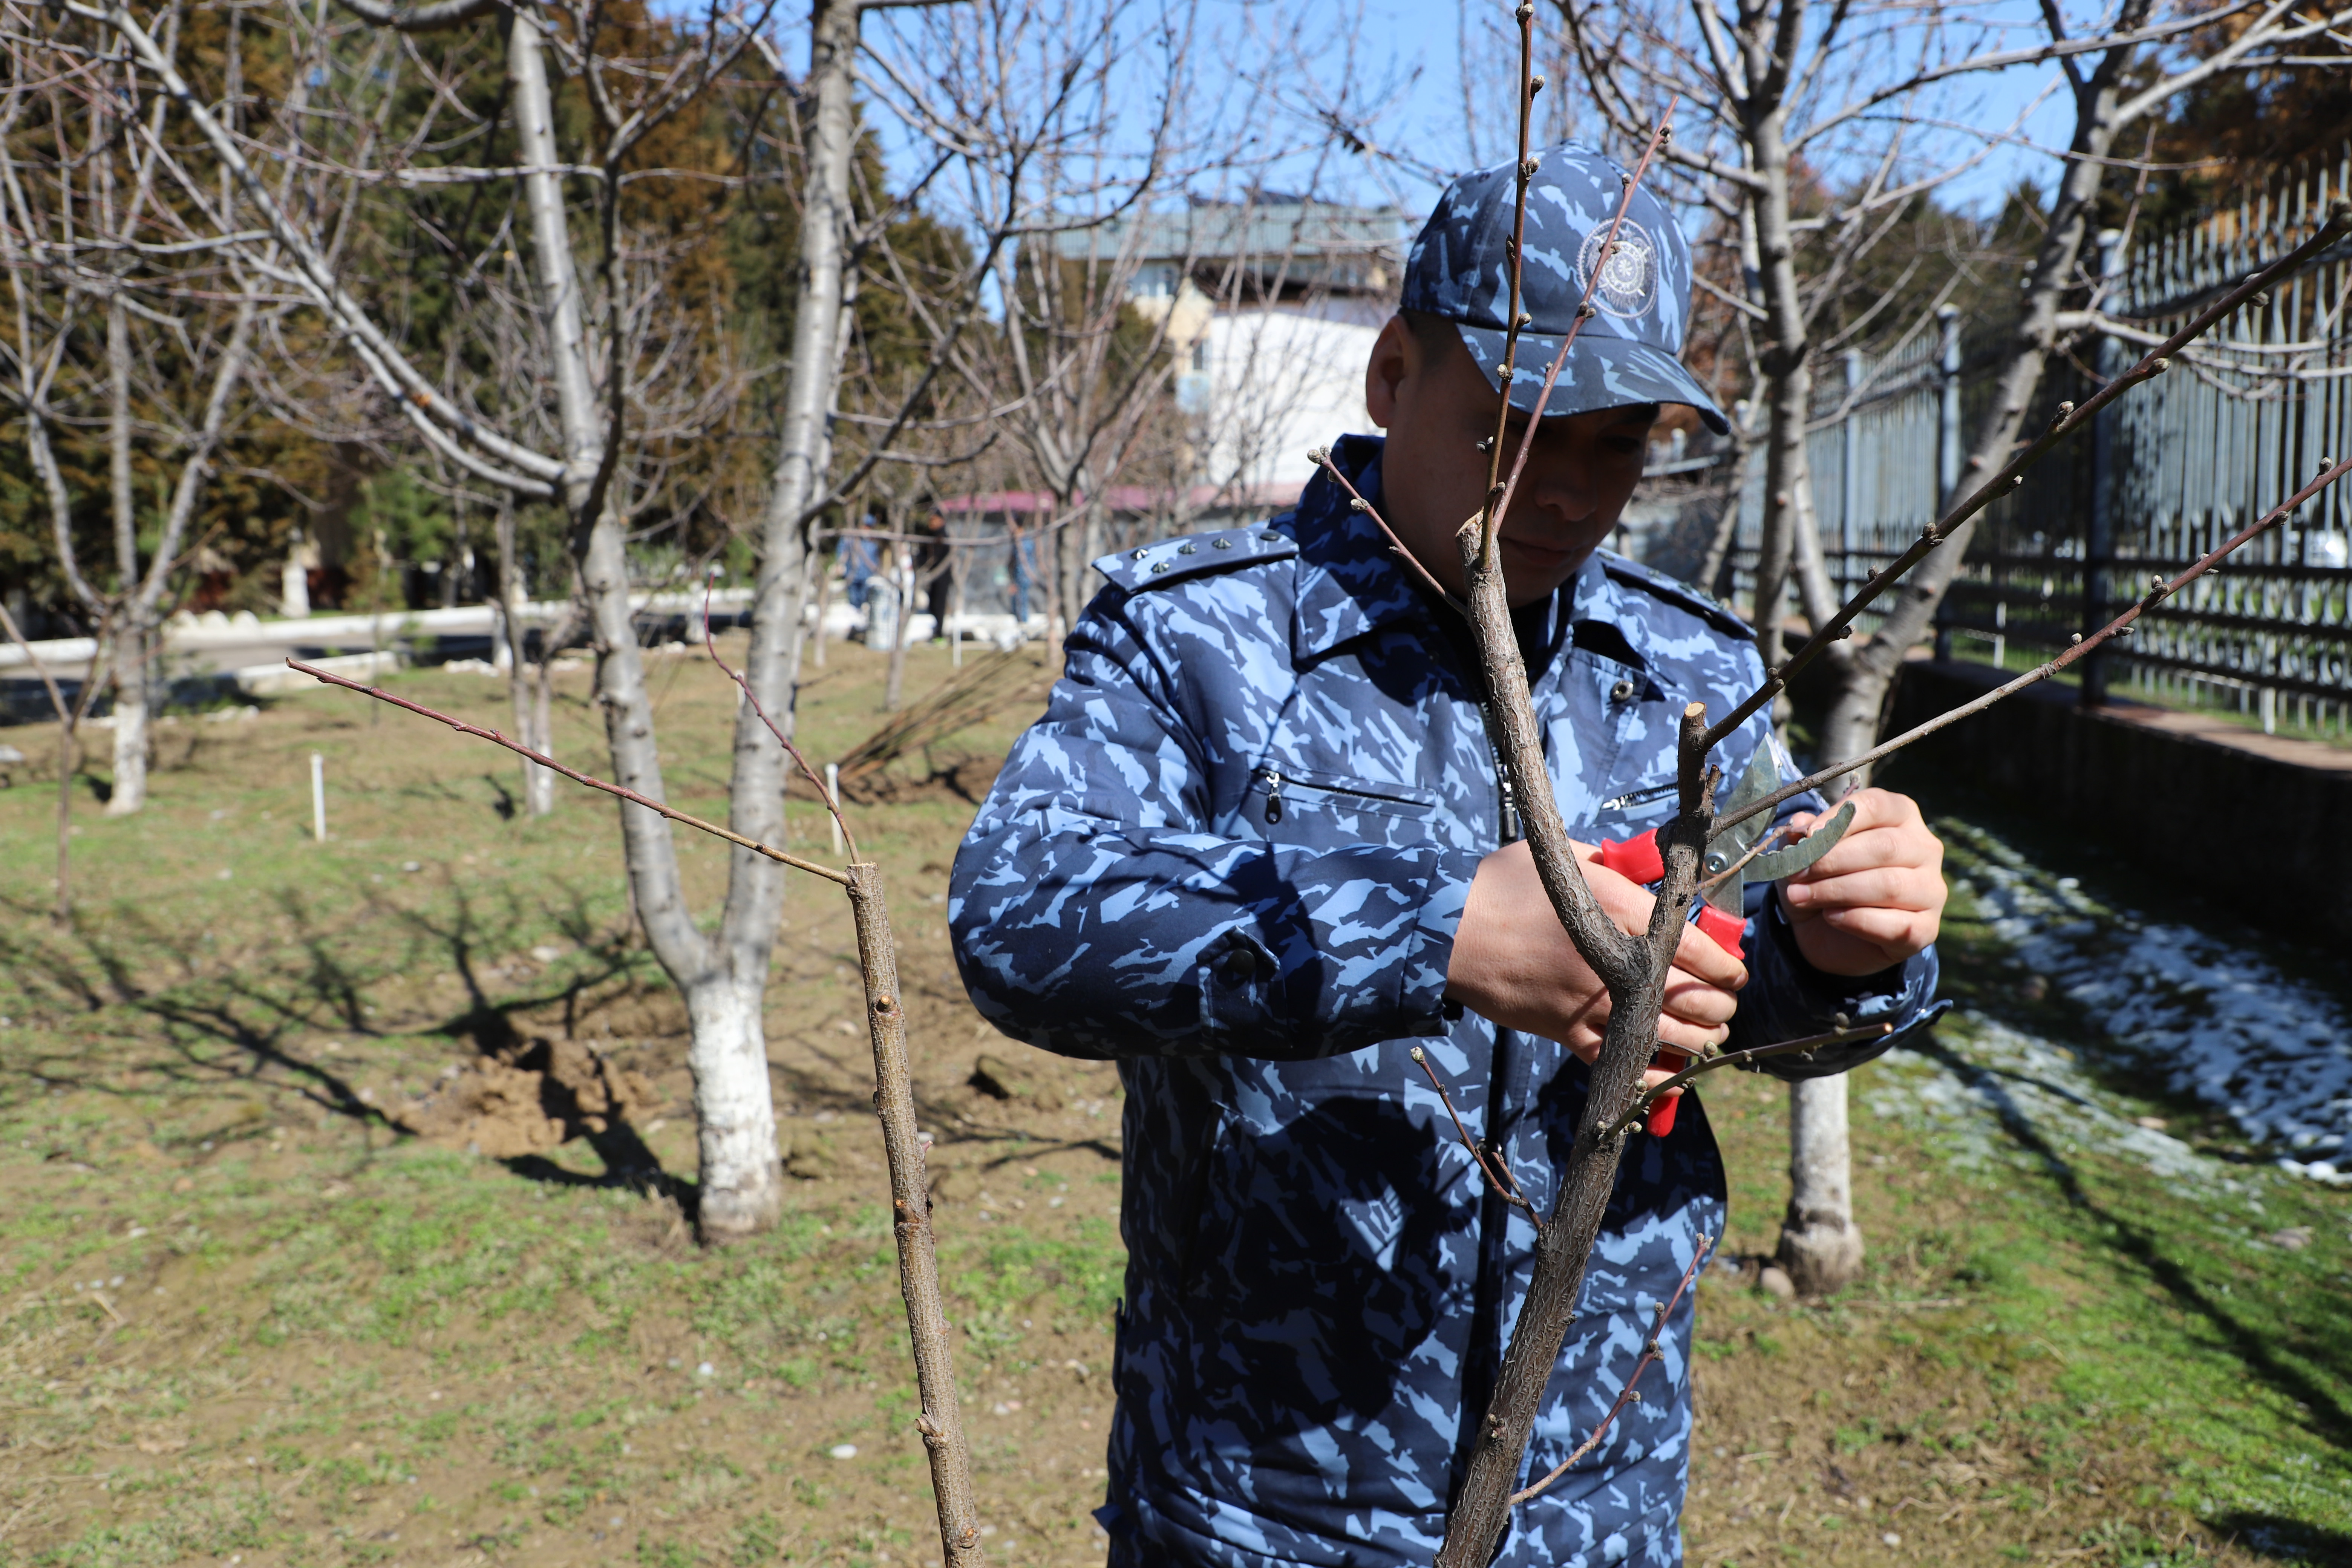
{"x":1629,"y":284}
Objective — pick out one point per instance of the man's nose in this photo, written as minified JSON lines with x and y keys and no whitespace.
{"x":1555,"y":492}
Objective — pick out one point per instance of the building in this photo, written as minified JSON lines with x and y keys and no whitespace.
{"x":1272,"y":305}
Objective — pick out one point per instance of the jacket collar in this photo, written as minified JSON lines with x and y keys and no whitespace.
{"x":1350,"y":582}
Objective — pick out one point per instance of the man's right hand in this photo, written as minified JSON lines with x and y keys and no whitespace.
{"x":1514,"y":965}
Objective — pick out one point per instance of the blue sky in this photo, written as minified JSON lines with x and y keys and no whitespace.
{"x":1409,"y":55}
{"x":1421,"y":46}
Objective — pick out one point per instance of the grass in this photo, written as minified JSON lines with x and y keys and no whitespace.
{"x":245,"y":1316}
{"x":2052,"y":1353}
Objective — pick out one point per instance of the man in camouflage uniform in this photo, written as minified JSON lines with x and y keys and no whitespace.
{"x":1259,"y":847}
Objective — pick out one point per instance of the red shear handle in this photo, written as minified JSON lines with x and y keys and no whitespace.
{"x":1638,"y":860}
{"x":1728,"y":932}
{"x":1662,"y":1113}
{"x":1635,"y":859}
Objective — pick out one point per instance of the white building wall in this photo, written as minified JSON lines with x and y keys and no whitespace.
{"x":1266,"y":387}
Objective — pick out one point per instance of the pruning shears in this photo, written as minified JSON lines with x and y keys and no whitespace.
{"x":1729,"y":865}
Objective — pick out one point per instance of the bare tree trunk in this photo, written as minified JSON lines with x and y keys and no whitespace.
{"x":741,"y":1129}
{"x":1787,"y":370}
{"x":132,"y":641}
{"x":740,"y":1184}
{"x":1853,"y":724}
{"x":540,"y":794}
{"x":820,"y":569}
{"x":1820,"y":1243}
{"x":902,"y":589}
{"x":530,"y":721}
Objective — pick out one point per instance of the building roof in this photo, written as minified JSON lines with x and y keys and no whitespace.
{"x":1281,"y":246}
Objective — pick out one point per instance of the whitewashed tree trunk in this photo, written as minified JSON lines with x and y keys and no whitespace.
{"x":1820,"y":1245}
{"x":741,"y":1178}
{"x":539,"y":787}
{"x":734,"y":1114}
{"x":526,"y":686}
{"x":137,"y":606}
{"x":130,"y":642}
{"x":129,"y":793}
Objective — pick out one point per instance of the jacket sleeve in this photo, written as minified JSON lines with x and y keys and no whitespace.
{"x":1097,"y":913}
{"x":1788,"y":999}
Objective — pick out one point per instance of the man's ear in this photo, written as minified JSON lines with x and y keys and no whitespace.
{"x":1396,"y":356}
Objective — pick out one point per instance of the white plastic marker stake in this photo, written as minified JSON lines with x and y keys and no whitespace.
{"x":317,"y":797}
{"x":955,"y":650}
{"x":833,"y":798}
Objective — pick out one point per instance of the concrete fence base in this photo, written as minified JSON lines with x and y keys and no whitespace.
{"x":2258,"y":825}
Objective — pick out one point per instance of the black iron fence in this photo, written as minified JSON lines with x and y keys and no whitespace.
{"x":2241,"y":421}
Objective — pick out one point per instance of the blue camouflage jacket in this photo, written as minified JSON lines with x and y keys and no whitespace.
{"x":1231,"y":856}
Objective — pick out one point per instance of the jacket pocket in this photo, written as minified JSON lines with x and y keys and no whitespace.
{"x":1276,"y":792}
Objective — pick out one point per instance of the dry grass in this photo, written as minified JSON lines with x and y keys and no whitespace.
{"x":245,"y":1317}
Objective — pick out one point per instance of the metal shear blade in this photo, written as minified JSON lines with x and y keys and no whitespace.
{"x":1725,"y":849}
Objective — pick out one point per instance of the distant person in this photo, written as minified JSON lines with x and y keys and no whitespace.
{"x":860,"y":559}
{"x":1023,"y":571}
{"x":933,"y":556}
{"x":1259,"y":847}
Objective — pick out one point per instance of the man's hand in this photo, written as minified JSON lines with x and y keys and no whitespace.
{"x":1875,"y":900}
{"x":1514,"y":964}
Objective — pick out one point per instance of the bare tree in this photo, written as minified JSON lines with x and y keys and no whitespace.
{"x":2116,"y":78}
{"x":1066,"y":125}
{"x":90,"y":242}
{"x":618,"y":390}
{"x":1789,"y":90}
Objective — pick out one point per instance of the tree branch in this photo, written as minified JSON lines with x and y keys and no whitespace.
{"x":2160,"y":591}
{"x":574,"y":774}
{"x":2072,"y":420}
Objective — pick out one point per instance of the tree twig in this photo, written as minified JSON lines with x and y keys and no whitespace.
{"x":711,"y":645}
{"x":1584,"y":312}
{"x":1650,"y":1352}
{"x":2158,"y":592}
{"x":1322,"y":459}
{"x":1705,"y":1065}
{"x":574,"y":774}
{"x":1496,"y":1171}
{"x":942,"y":1419}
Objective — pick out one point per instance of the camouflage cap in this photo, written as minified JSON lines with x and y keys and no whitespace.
{"x":1459,"y":269}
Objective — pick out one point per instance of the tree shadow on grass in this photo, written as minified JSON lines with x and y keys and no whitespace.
{"x":2284,"y":1540}
{"x":317,"y":979}
{"x":2324,"y":1409}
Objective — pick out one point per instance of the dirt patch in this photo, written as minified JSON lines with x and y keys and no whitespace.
{"x":551,"y":1092}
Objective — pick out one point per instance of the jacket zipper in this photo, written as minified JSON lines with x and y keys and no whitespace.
{"x":1274,"y":781}
{"x":1272,"y":777}
{"x":1506,"y":800}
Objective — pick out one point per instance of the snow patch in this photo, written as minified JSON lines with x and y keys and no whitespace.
{"x":2193,"y":1009}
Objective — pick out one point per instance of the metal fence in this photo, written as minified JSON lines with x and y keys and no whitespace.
{"x":2238,"y":423}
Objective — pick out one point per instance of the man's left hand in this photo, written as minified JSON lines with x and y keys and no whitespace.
{"x":1875,"y":900}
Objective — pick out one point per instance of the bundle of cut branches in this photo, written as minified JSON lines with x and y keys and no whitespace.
{"x":973,"y":695}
